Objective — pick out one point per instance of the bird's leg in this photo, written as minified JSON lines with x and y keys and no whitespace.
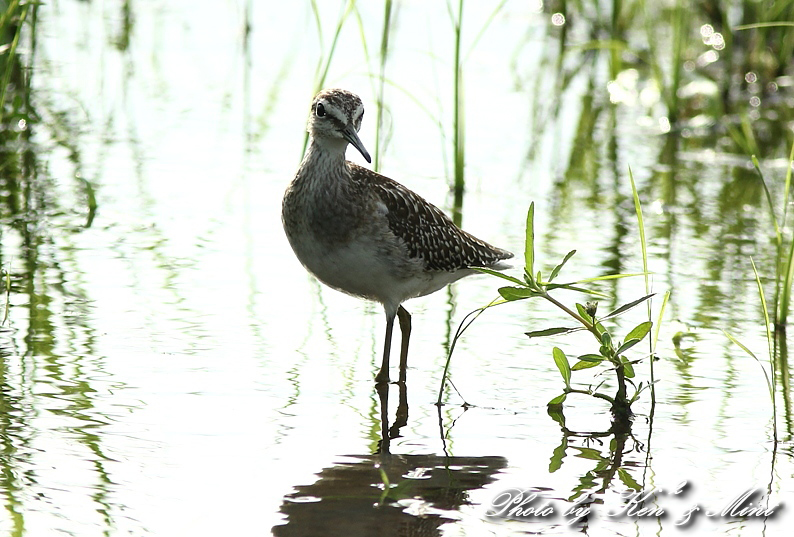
{"x":383,"y":394}
{"x":405,"y":328}
{"x":383,"y":375}
{"x":401,"y":417}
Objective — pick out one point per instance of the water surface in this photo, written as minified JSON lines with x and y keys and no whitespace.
{"x":169,"y":368}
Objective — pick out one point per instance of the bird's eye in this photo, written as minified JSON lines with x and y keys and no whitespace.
{"x":320,"y":110}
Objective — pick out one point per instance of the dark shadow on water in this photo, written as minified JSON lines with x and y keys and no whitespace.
{"x":386,"y":495}
{"x":388,"y":433}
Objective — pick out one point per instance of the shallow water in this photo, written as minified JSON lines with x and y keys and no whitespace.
{"x":168,"y":367}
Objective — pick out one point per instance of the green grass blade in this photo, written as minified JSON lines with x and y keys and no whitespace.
{"x":485,"y":25}
{"x":626,"y":307}
{"x":562,"y":264}
{"x":644,"y":249}
{"x":8,"y":297}
{"x":762,"y":25}
{"x":321,"y":72}
{"x":770,"y":345}
{"x":641,"y":226}
{"x":757,"y":167}
{"x":573,"y":287}
{"x":384,"y":49}
{"x":610,"y":277}
{"x":659,"y":321}
{"x":787,"y":186}
{"x":766,"y":376}
{"x":458,"y":124}
{"x":785,"y":295}
{"x":499,"y":275}
{"x":529,"y":241}
{"x":769,"y":339}
{"x":785,"y":292}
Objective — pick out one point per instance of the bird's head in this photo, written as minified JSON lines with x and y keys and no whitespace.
{"x":336,"y":118}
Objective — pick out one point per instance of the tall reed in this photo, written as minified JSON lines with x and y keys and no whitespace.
{"x":325,"y":59}
{"x":770,"y":382}
{"x":384,"y":50}
{"x":785,"y":270}
{"x":458,"y":126}
{"x":12,"y":21}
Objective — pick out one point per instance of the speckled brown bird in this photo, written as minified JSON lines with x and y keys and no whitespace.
{"x":366,"y":235}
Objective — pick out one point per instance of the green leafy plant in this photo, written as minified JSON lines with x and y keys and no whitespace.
{"x":611,"y":350}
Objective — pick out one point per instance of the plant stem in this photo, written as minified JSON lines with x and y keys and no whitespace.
{"x":621,"y":407}
{"x":589,"y":326}
{"x":594,"y":394}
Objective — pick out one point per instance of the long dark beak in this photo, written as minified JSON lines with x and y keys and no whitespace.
{"x":351,"y":136}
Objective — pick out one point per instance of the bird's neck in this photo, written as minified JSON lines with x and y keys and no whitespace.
{"x":327,"y":156}
{"x":324,"y":170}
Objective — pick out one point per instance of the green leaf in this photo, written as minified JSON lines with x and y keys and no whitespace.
{"x":562,"y":263}
{"x":578,"y":366}
{"x":529,"y":243}
{"x":628,"y":480}
{"x":590,"y":453}
{"x":606,"y":339}
{"x":629,"y":343}
{"x":555,"y":412}
{"x":558,"y":455}
{"x":628,"y":369}
{"x":560,"y":399}
{"x":516,"y":293}
{"x":583,"y":313}
{"x":600,"y":328}
{"x":597,"y":358}
{"x":551,"y":331}
{"x":639,"y":331}
{"x":563,"y":365}
{"x":626,"y":307}
{"x":498,"y":274}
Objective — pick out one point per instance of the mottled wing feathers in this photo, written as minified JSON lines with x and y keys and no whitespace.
{"x":427,"y":232}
